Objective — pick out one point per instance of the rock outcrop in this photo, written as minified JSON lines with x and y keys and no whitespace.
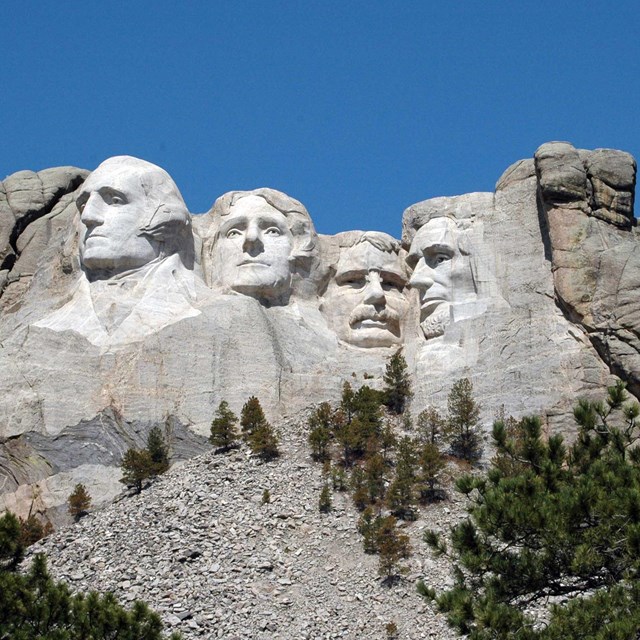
{"x":119,"y":310}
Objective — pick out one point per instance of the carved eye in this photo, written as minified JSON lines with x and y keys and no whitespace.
{"x":273,"y":231}
{"x":356,"y":283}
{"x":116,"y":200}
{"x":234,"y":233}
{"x":390,"y":285}
{"x":442,"y":257}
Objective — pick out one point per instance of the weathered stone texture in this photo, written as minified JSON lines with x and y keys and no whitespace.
{"x":531,"y":292}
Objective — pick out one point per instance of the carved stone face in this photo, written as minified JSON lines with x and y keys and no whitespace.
{"x":113,"y":207}
{"x":253,"y":249}
{"x":441,"y":274}
{"x":364,"y":303}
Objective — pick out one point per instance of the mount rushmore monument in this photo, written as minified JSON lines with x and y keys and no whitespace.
{"x":121,"y":310}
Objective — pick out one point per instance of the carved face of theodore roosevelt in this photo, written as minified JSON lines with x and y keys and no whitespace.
{"x":364,"y":303}
{"x":132,"y":213}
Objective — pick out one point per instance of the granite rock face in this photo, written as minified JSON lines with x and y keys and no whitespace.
{"x":120,"y":310}
{"x":593,"y":243}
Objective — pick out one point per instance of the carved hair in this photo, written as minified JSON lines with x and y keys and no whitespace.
{"x":381,"y":241}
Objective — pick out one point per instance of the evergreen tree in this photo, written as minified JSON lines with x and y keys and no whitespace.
{"x":430,"y":425}
{"x":320,"y":424}
{"x":346,"y":403}
{"x":79,"y":502}
{"x":462,"y":422}
{"x":338,"y":478}
{"x":432,"y":465}
{"x":251,"y":417}
{"x":137,"y":466}
{"x":263,"y":442}
{"x":33,"y":606}
{"x":393,"y":546}
{"x":368,"y":526}
{"x":557,"y":525}
{"x":223,"y":428}
{"x":401,"y":495}
{"x":397,"y":389}
{"x":374,"y":470}
{"x":359,"y":492}
{"x":324,"y":504}
{"x":158,"y":451}
{"x":11,"y":547}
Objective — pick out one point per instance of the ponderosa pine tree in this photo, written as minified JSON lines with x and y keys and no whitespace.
{"x":223,"y":428}
{"x":320,"y":431}
{"x":432,"y":465}
{"x":251,"y":417}
{"x":558,"y":526}
{"x":137,"y":466}
{"x":324,"y":503}
{"x":461,"y":427}
{"x":397,"y":385}
{"x":393,"y":546}
{"x":401,"y":494}
{"x":32,"y":605}
{"x":430,"y":425}
{"x":79,"y":502}
{"x":158,"y":451}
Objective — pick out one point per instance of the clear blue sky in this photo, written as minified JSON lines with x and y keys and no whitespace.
{"x":358,"y":109}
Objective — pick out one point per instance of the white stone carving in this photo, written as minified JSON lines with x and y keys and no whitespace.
{"x":365,"y":303}
{"x":261,"y":244}
{"x":443,"y":276}
{"x":137,"y":255}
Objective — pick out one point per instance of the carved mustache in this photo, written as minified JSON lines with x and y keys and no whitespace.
{"x":361,"y":313}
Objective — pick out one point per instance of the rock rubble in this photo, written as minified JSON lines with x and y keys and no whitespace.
{"x":201,"y":548}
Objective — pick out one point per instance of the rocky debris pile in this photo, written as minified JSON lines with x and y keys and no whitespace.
{"x":204,"y":551}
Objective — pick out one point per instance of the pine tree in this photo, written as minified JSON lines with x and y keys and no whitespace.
{"x":79,"y":502}
{"x":137,"y":466}
{"x":223,"y":428}
{"x":462,"y":422}
{"x":158,"y":451}
{"x":559,"y":525}
{"x":401,"y":495}
{"x":374,"y":470}
{"x":430,"y":425}
{"x":324,"y":504}
{"x":251,"y":417}
{"x":33,"y":605}
{"x":432,"y":466}
{"x":397,"y":389}
{"x":264,"y":442}
{"x":368,"y":526}
{"x":346,"y":402}
{"x":393,"y":546}
{"x":320,"y":424}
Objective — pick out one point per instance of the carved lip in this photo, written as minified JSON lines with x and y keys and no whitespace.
{"x":253,"y":263}
{"x":372,"y":323}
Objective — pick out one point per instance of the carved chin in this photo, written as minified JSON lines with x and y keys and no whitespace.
{"x":435,"y":323}
{"x":267,"y":286}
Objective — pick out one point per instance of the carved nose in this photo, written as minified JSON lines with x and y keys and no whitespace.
{"x":91,"y":215}
{"x":422,"y":277}
{"x":252,"y":240}
{"x":374,"y":293}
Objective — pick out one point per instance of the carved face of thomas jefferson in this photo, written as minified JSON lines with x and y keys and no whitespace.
{"x":253,"y":249}
{"x":364,"y":303}
{"x":132,"y":213}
